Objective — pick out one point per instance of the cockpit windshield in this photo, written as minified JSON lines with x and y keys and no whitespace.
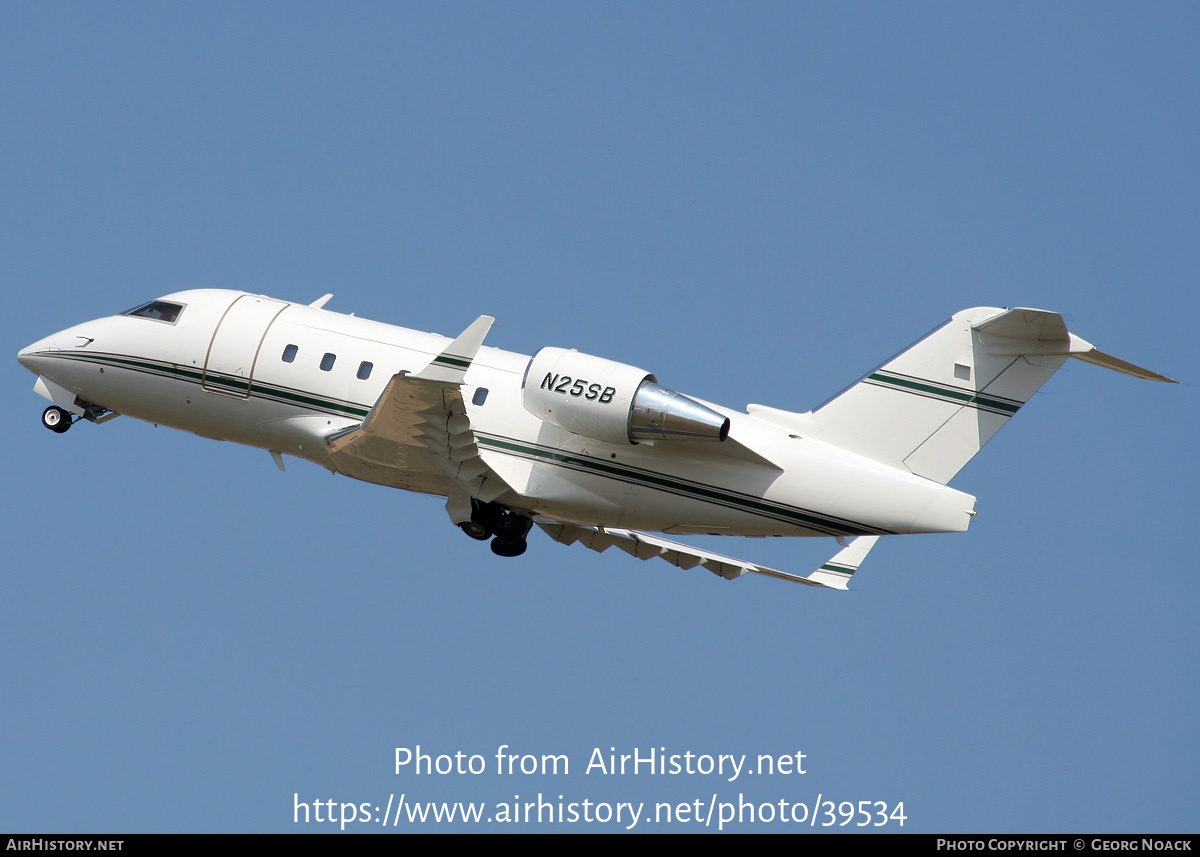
{"x":157,"y":310}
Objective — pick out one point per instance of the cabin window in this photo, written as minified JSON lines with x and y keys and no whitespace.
{"x":157,"y":310}
{"x":327,"y":362}
{"x":289,"y":353}
{"x":364,"y":370}
{"x":480,"y":396}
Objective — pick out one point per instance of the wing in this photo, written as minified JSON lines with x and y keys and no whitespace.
{"x":418,"y":435}
{"x":834,"y":574}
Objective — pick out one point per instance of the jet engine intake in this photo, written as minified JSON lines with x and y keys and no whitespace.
{"x":612,"y":401}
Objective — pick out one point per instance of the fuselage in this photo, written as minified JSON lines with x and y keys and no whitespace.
{"x":286,"y":377}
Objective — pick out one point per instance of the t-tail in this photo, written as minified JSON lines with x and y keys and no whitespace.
{"x":931,"y":408}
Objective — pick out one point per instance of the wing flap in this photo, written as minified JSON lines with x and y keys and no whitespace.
{"x":418,"y":434}
{"x":834,"y":574}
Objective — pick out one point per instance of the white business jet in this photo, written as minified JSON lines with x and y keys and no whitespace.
{"x":591,"y":450}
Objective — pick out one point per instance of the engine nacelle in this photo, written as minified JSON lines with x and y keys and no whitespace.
{"x":612,"y":401}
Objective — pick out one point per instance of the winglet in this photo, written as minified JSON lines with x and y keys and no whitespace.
{"x":452,"y":364}
{"x":836,"y":573}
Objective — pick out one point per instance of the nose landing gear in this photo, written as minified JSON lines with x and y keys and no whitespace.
{"x":501,"y":524}
{"x":56,"y":419}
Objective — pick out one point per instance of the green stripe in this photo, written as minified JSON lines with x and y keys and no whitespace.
{"x":213,"y":379}
{"x":685,"y":488}
{"x":447,"y":360}
{"x":977,"y":400}
{"x":694,"y":490}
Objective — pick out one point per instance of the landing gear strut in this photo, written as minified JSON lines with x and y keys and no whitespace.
{"x":56,"y":419}
{"x":507,"y":527}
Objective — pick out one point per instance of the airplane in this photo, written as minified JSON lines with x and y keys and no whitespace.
{"x":591,"y":450}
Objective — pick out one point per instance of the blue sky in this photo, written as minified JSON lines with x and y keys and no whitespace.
{"x":757,"y":204}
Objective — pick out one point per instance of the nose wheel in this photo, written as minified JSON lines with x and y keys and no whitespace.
{"x":56,"y":419}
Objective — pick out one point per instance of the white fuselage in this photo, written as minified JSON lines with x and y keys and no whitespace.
{"x":220,"y":371}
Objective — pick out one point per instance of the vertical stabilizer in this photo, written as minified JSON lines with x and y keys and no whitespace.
{"x":930,"y":409}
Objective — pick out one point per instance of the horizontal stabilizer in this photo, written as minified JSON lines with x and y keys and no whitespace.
{"x":1085,"y":351}
{"x":835,"y":574}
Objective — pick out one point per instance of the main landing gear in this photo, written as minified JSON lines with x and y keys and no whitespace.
{"x":501,"y":524}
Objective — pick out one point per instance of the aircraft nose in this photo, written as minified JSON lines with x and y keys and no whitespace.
{"x":25,"y":355}
{"x":28,"y":356}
